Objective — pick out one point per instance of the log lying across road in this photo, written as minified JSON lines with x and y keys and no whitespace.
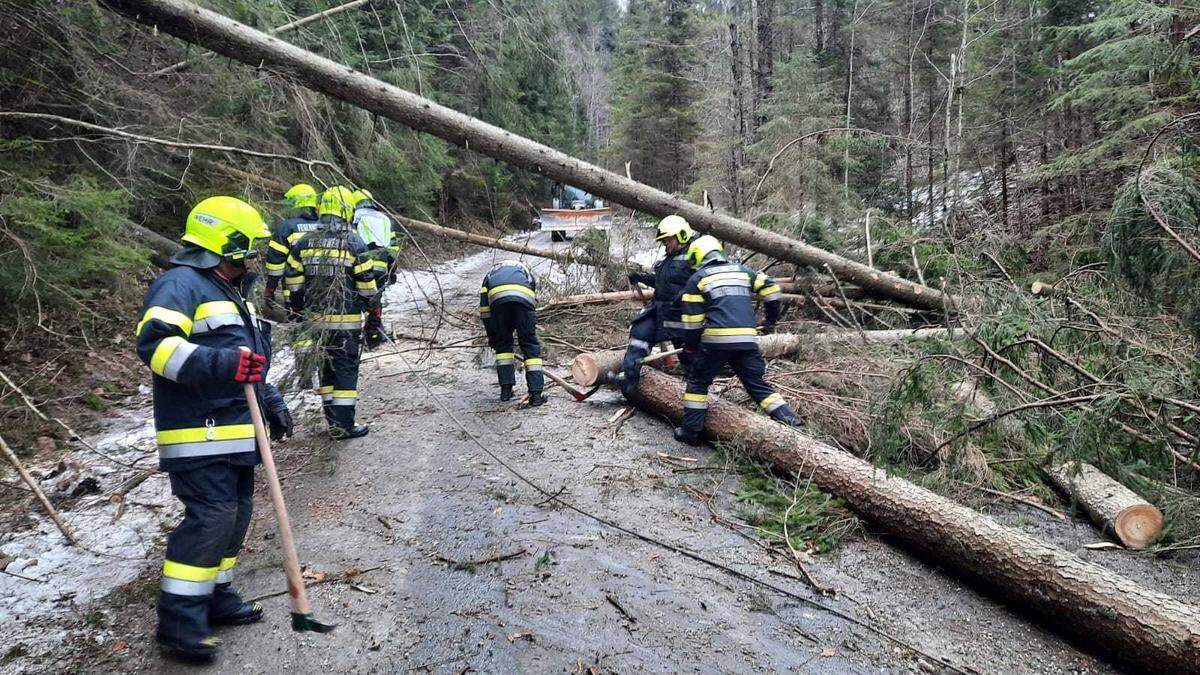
{"x":237,"y":41}
{"x":1101,"y":609}
{"x":597,"y":367}
{"x":1119,"y":511}
{"x":490,"y":242}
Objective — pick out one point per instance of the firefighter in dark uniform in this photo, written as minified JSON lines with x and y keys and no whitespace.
{"x":506,"y":305}
{"x":383,"y":247}
{"x":719,"y":329}
{"x":660,"y":321}
{"x":302,"y":197}
{"x":202,"y":339}
{"x":331,"y":282}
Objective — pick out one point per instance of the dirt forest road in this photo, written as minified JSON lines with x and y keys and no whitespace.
{"x":474,"y":571}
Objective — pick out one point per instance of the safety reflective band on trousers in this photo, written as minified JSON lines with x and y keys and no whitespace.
{"x":338,"y":321}
{"x":695,"y":401}
{"x":225,"y":571}
{"x":205,"y":441}
{"x":533,"y":364}
{"x":770,"y":403}
{"x":331,"y":396}
{"x":639,"y":344}
{"x":181,"y":579}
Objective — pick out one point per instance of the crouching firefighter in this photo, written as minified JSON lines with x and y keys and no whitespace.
{"x":660,"y":321}
{"x":719,"y":329}
{"x":331,"y":282}
{"x":202,"y":339}
{"x":506,"y":305}
{"x":383,"y":247}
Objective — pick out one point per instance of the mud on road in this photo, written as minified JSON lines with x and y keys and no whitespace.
{"x":471,"y":569}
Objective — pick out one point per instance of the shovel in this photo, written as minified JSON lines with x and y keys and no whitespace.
{"x":302,"y":618}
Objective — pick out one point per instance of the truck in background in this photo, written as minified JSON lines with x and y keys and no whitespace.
{"x":572,"y":211}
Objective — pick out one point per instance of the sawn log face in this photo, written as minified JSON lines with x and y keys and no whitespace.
{"x":1101,"y":609}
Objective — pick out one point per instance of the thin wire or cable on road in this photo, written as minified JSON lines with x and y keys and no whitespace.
{"x":555,"y":497}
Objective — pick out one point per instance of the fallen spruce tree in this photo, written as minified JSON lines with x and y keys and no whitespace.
{"x":597,"y":367}
{"x":1101,"y":609}
{"x":240,"y":42}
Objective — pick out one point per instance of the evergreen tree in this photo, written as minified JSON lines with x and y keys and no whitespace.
{"x":655,"y":94}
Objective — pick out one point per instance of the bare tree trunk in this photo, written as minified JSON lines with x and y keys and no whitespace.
{"x":764,"y":19}
{"x":819,"y":27}
{"x":237,"y":41}
{"x":739,"y":105}
{"x":1103,"y":610}
{"x":908,"y":111}
{"x":849,"y":97}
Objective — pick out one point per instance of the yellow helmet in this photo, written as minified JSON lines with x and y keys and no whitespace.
{"x":226,"y":226}
{"x":301,"y":196}
{"x":337,"y":201}
{"x":674,"y":227}
{"x":701,"y":248}
{"x":362,"y":195}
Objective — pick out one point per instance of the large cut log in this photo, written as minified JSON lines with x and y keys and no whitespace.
{"x":596,"y":298}
{"x":237,"y":41}
{"x":597,"y":367}
{"x":1118,"y":510}
{"x":1101,"y":609}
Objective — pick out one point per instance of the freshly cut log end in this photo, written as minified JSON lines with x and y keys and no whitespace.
{"x":1138,"y":525}
{"x":1121,"y":512}
{"x":586,"y":370}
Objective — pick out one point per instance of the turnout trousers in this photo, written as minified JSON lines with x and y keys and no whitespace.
{"x":643,"y":335}
{"x":197,"y":575}
{"x":519,"y":318}
{"x":339,"y":376}
{"x":750,"y":368}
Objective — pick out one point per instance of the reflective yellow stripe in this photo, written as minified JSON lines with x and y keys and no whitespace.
{"x":337,"y":318}
{"x":722,"y":276}
{"x":485,"y":310}
{"x":163,"y":352}
{"x":214,"y":308}
{"x":533,"y":362}
{"x":510,"y":287}
{"x":773,"y":288}
{"x":759,"y":281}
{"x":326,"y":389}
{"x":294,"y":263}
{"x":507,"y":356}
{"x":730,"y":331}
{"x":483,"y":289}
{"x":345,"y":393}
{"x":326,"y":253}
{"x":363,"y":267}
{"x":295,"y":236}
{"x":695,"y":397}
{"x":275,"y":267}
{"x":688,"y":297}
{"x":188,"y":572}
{"x":166,"y":316}
{"x":227,"y":564}
{"x":279,"y":247}
{"x":227,"y":432}
{"x":380,"y":264}
{"x":365,"y":285}
{"x":692,"y":318}
{"x":769,"y":400}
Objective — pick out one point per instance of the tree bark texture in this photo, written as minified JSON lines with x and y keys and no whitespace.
{"x":1099,"y":608}
{"x":240,"y":42}
{"x":1119,"y":511}
{"x":597,"y":367}
{"x":490,"y":242}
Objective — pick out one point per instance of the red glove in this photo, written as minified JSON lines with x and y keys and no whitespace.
{"x":249,"y":366}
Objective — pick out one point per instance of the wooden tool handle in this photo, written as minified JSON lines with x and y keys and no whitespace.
{"x":291,"y":561}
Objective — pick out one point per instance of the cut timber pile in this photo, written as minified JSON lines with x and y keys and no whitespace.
{"x":597,"y":367}
{"x":1118,"y":510}
{"x":1144,"y":628}
{"x":237,"y":41}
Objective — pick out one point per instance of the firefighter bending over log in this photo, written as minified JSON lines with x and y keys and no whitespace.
{"x":506,"y":305}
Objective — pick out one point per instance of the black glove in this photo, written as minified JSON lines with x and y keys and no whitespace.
{"x":279,"y":418}
{"x":633,"y":277}
{"x":768,"y":328}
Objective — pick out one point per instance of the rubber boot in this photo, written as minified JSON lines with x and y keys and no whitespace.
{"x":228,"y":608}
{"x":506,"y":392}
{"x":346,"y":433}
{"x":197,"y":651}
{"x":536,"y":398}
{"x":683,"y":436}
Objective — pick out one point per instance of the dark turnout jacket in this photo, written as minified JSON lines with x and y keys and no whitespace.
{"x":331,"y":277}
{"x":670,"y":276}
{"x":718,"y":305}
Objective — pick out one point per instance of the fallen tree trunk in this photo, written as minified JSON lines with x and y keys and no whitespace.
{"x":1101,"y":609}
{"x":1119,"y":511}
{"x":598,"y":367}
{"x":160,"y":247}
{"x":237,"y":41}
{"x":595,"y":298}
